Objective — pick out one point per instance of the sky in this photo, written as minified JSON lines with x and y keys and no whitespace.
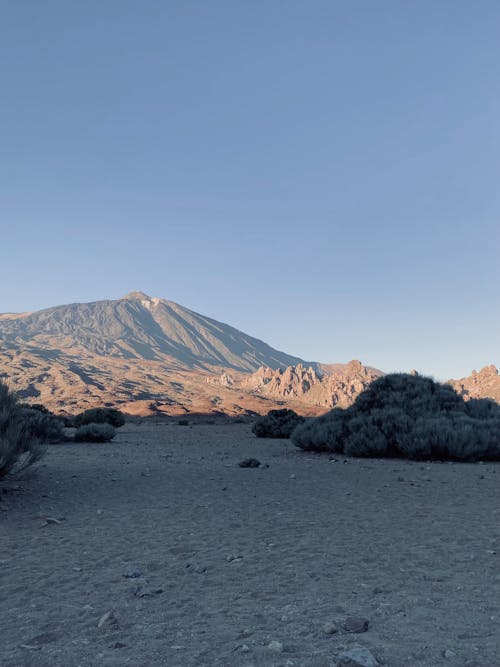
{"x":323,"y":175}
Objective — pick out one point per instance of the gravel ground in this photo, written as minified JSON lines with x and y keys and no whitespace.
{"x":158,"y":549}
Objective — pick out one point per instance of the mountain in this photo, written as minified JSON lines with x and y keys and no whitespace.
{"x":140,"y":327}
{"x":148,"y":356}
{"x":152,"y":356}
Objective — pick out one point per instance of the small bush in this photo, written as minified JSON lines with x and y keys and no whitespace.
{"x":98,"y":432}
{"x":36,"y":406}
{"x":43,"y":425}
{"x":277,"y":424}
{"x":100,"y":416}
{"x":408,"y":416}
{"x":18,"y":447}
{"x":183,"y":422}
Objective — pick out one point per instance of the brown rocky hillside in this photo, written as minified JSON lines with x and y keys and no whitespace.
{"x":485,"y":384}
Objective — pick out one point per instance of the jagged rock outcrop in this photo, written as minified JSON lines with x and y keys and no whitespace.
{"x":308,"y":385}
{"x":292,"y":381}
{"x":485,"y":384}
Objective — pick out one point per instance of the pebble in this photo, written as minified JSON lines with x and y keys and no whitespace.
{"x":357,"y":656}
{"x":275,"y":646}
{"x":329,"y":628}
{"x":449,"y":654}
{"x":132,"y":574}
{"x":354,"y":624}
{"x":108,"y":617}
{"x":249,"y":463}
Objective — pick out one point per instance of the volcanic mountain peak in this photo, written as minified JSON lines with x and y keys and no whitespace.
{"x":138,"y":326}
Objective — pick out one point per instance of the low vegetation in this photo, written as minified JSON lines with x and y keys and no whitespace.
{"x":408,"y":416}
{"x":19,"y":448}
{"x":43,"y":425}
{"x":95,"y":433}
{"x":100,"y":416}
{"x":277,"y":424}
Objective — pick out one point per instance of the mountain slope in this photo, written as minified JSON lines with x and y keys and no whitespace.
{"x":140,"y":327}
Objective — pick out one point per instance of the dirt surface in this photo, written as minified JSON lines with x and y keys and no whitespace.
{"x":158,"y":549}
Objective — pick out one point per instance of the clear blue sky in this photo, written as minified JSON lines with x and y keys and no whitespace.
{"x":323,"y":175}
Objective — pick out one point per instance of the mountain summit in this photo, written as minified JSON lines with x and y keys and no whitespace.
{"x":141,"y":327}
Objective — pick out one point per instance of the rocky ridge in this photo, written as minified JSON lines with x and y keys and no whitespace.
{"x":482,"y":384}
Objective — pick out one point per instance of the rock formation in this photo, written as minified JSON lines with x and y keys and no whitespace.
{"x":485,"y":384}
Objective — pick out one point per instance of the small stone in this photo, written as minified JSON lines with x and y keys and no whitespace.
{"x":249,"y":463}
{"x":108,"y":617}
{"x":357,"y":656}
{"x":246,"y":632}
{"x":354,"y":624}
{"x":118,"y":645}
{"x":449,"y":654}
{"x":329,"y":628}
{"x":132,"y":574}
{"x":275,"y":646}
{"x":292,"y":476}
{"x":245,"y":648}
{"x":44,"y":638}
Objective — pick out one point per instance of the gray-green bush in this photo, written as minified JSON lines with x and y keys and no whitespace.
{"x":18,"y":447}
{"x":409,"y":416}
{"x":100,"y":416}
{"x":277,"y":424}
{"x":43,"y":425}
{"x":95,"y":433}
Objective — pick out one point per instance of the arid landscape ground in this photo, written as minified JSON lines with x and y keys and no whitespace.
{"x":158,"y":549}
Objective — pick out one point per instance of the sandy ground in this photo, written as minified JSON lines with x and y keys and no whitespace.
{"x":229,"y":560}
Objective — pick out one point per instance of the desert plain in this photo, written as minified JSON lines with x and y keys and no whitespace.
{"x":158,"y":549}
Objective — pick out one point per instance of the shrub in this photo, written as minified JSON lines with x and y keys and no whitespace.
{"x":100,"y":416}
{"x":277,"y":424}
{"x":43,"y":425}
{"x":322,"y":434}
{"x":95,"y":433}
{"x":18,"y":447}
{"x":36,"y":406}
{"x":183,"y":422}
{"x":409,"y":416}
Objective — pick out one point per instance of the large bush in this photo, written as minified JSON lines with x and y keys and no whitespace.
{"x":18,"y":447}
{"x":100,"y":416}
{"x":277,"y":424}
{"x":409,"y":416}
{"x":95,"y":433}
